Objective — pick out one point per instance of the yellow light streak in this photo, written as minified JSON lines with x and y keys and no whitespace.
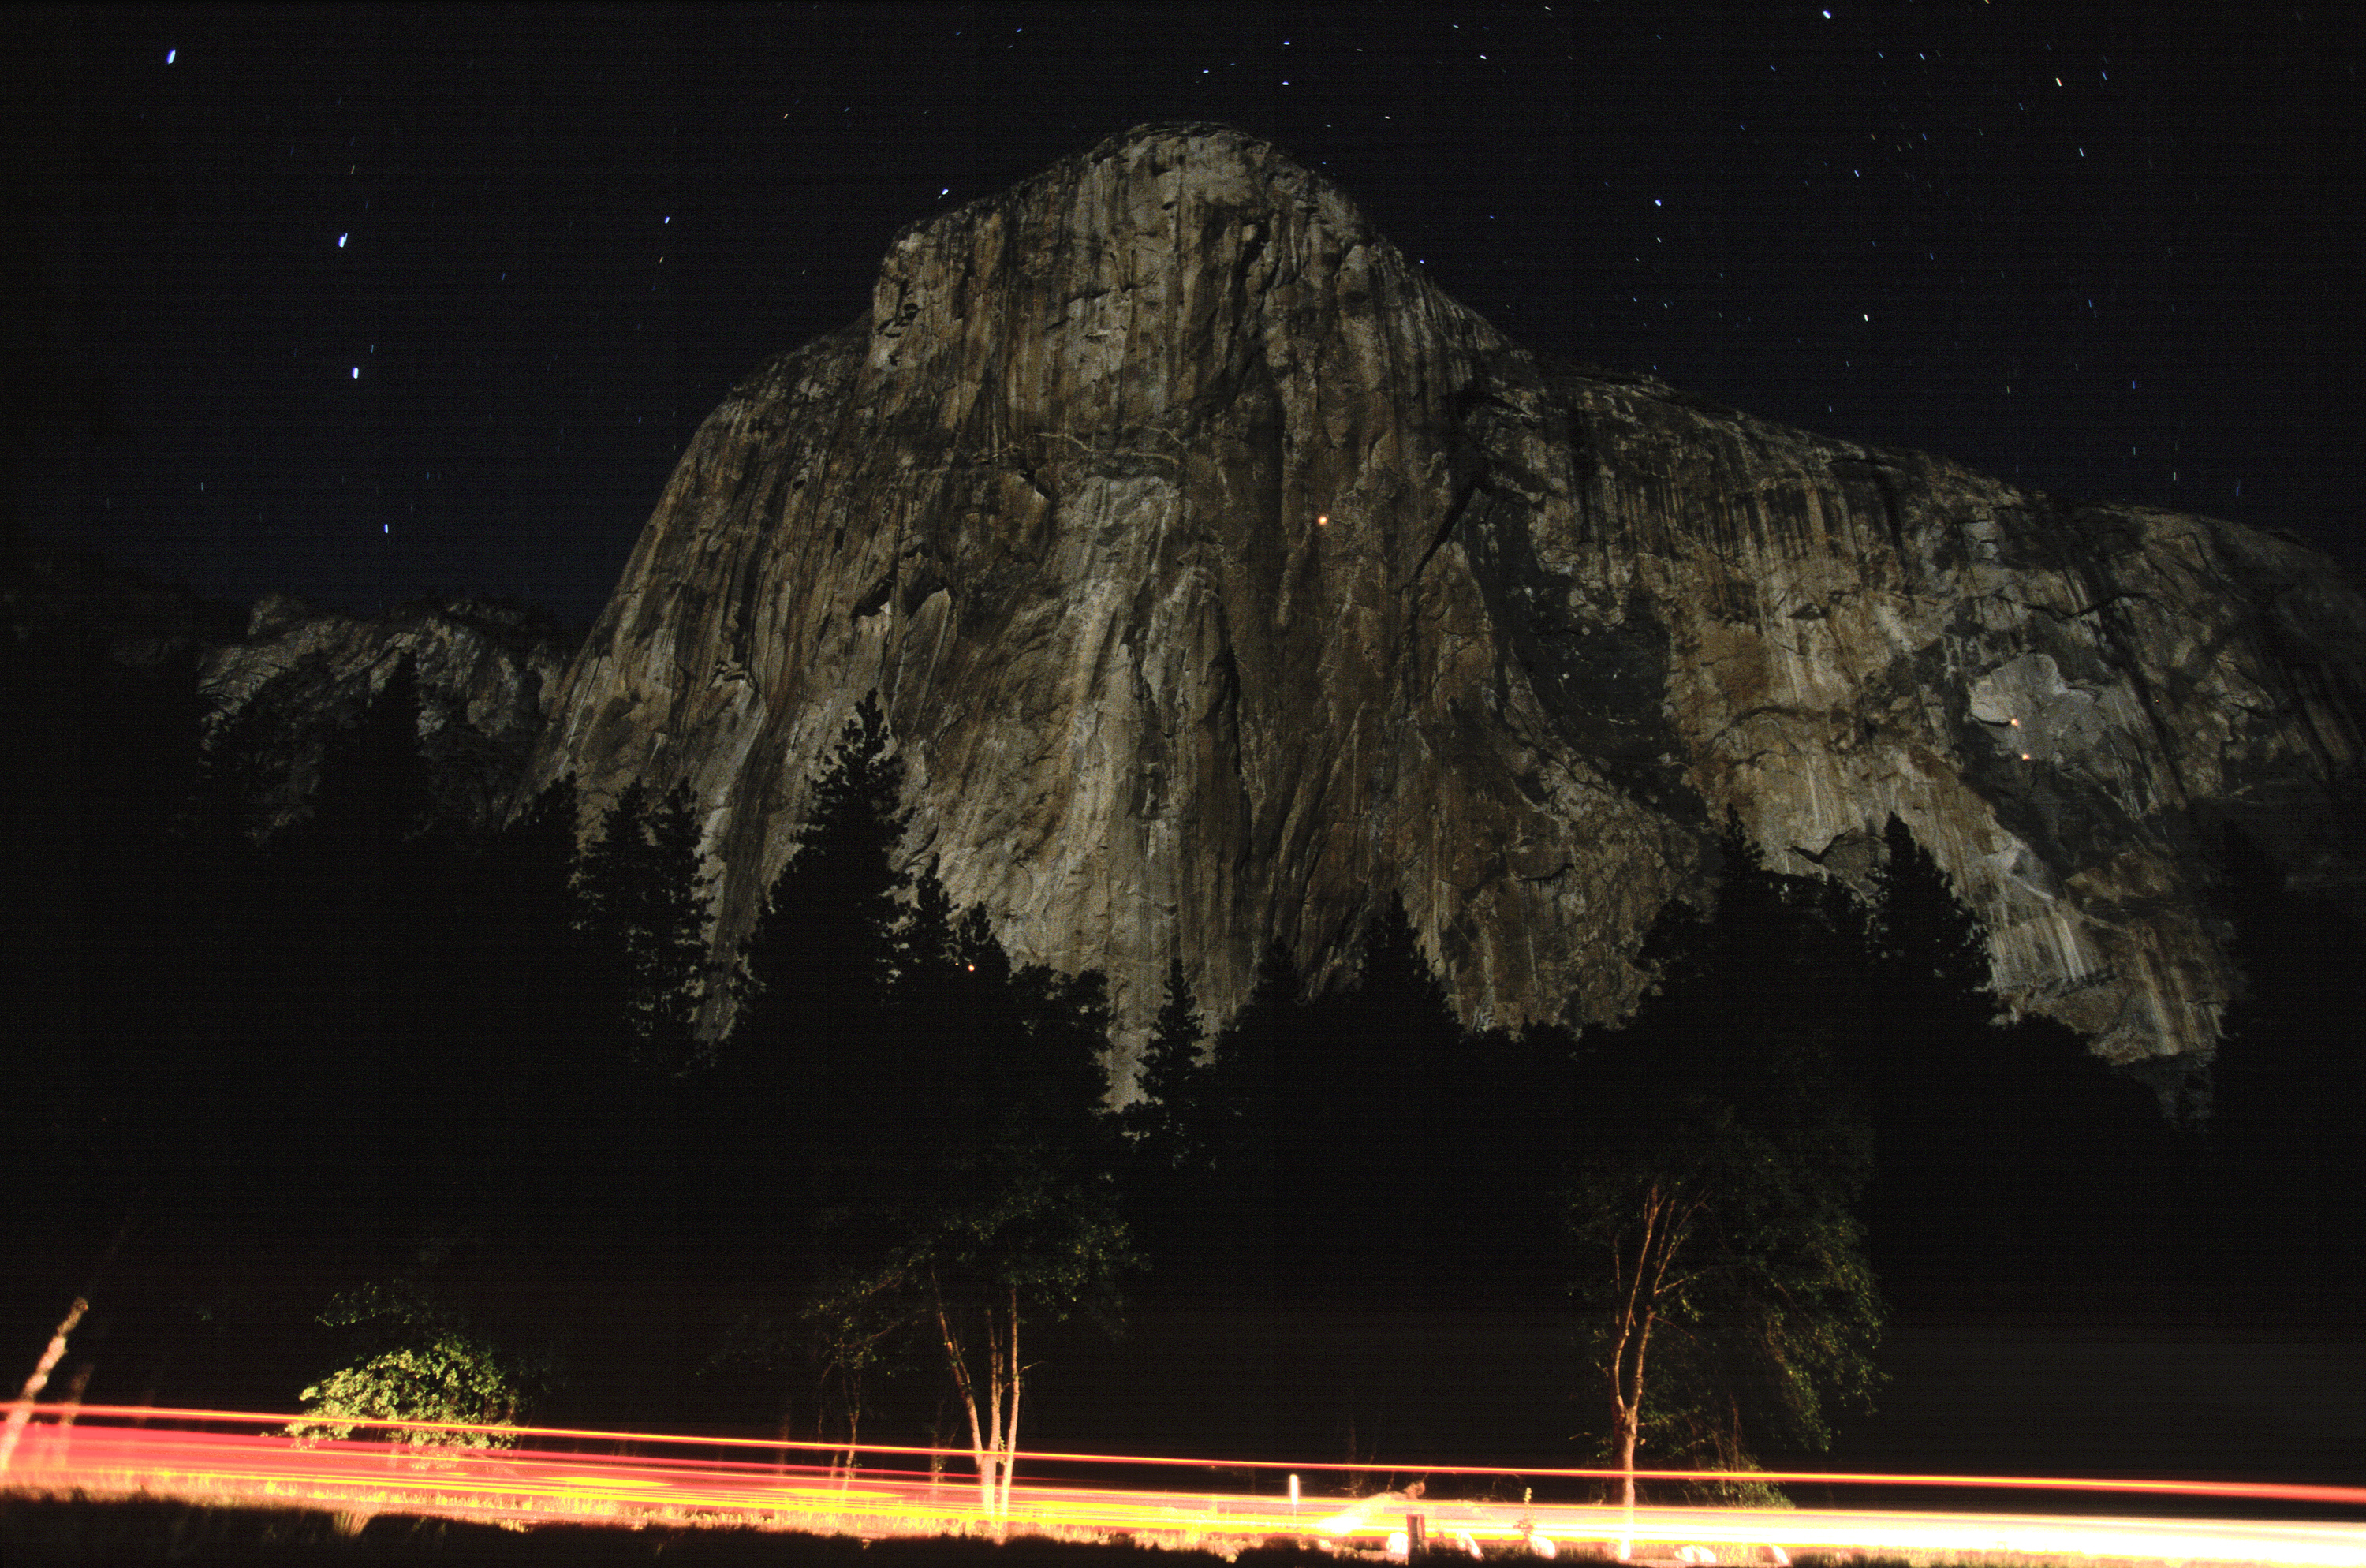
{"x":199,"y":1455}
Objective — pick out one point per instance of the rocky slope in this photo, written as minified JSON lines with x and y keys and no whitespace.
{"x":301,"y":672}
{"x":1221,"y":577}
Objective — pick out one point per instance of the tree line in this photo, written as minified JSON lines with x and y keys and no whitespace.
{"x":372,"y":1023}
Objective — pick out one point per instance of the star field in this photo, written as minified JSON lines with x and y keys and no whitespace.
{"x":378,"y":302}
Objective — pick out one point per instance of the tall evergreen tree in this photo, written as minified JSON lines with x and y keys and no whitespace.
{"x":825,"y":951}
{"x":815,"y":1064}
{"x":987,"y":1197}
{"x":1372,"y":1191}
{"x":372,"y":797}
{"x":349,"y":912}
{"x":1166,"y":1120}
{"x":645,"y":917}
{"x":1932,"y":953}
{"x":1251,"y":1065}
{"x":1400,"y":1000}
{"x":1253,"y":1070}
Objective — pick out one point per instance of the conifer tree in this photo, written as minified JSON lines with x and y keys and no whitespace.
{"x":645,"y":917}
{"x":1167,"y":1118}
{"x":1251,"y":1061}
{"x":808,"y":1102}
{"x":372,"y":797}
{"x":1931,"y":956}
{"x":1400,"y":996}
{"x":1254,"y":1076}
{"x":825,"y":950}
{"x":351,"y":910}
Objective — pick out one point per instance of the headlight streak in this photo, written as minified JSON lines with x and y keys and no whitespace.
{"x":201,"y":1456}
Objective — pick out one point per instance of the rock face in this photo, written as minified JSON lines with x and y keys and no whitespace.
{"x":1222,"y":578}
{"x":484,"y":672}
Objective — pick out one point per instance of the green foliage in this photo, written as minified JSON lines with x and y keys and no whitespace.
{"x":1018,"y":1195}
{"x":1721,"y":1285}
{"x":1761,"y":1310}
{"x":429,"y":1364}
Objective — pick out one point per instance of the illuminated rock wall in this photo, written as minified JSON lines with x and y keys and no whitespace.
{"x":1222,"y":578}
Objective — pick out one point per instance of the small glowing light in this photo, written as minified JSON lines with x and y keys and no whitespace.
{"x":168,"y":55}
{"x":2014,"y":722}
{"x":2024,"y":756}
{"x":1321,"y":518}
{"x":341,"y":242}
{"x":357,"y":372}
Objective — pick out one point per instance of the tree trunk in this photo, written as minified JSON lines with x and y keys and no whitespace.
{"x":22,"y":1411}
{"x":993,"y":1429}
{"x":1624,"y":1431}
{"x":853,"y":1436}
{"x":968,"y":1390}
{"x":1010,"y":1431}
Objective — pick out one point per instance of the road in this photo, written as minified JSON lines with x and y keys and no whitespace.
{"x":246,"y":1458}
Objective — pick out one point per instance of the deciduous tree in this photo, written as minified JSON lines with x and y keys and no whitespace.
{"x":1722,"y":1288}
{"x":422,"y":1362}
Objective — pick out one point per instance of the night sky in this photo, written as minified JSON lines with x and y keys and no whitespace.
{"x":366,"y":303}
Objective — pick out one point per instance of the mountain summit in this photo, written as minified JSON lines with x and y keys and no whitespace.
{"x":1221,"y":580}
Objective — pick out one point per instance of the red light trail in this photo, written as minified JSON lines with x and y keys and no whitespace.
{"x":556,"y":1474}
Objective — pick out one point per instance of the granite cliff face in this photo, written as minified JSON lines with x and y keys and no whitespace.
{"x":302,"y":672}
{"x":1221,"y":577}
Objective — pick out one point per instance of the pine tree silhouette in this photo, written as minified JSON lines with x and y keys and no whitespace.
{"x":815,"y":1062}
{"x":645,"y":917}
{"x":1167,"y":1119}
{"x":1932,"y":950}
{"x":825,"y":951}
